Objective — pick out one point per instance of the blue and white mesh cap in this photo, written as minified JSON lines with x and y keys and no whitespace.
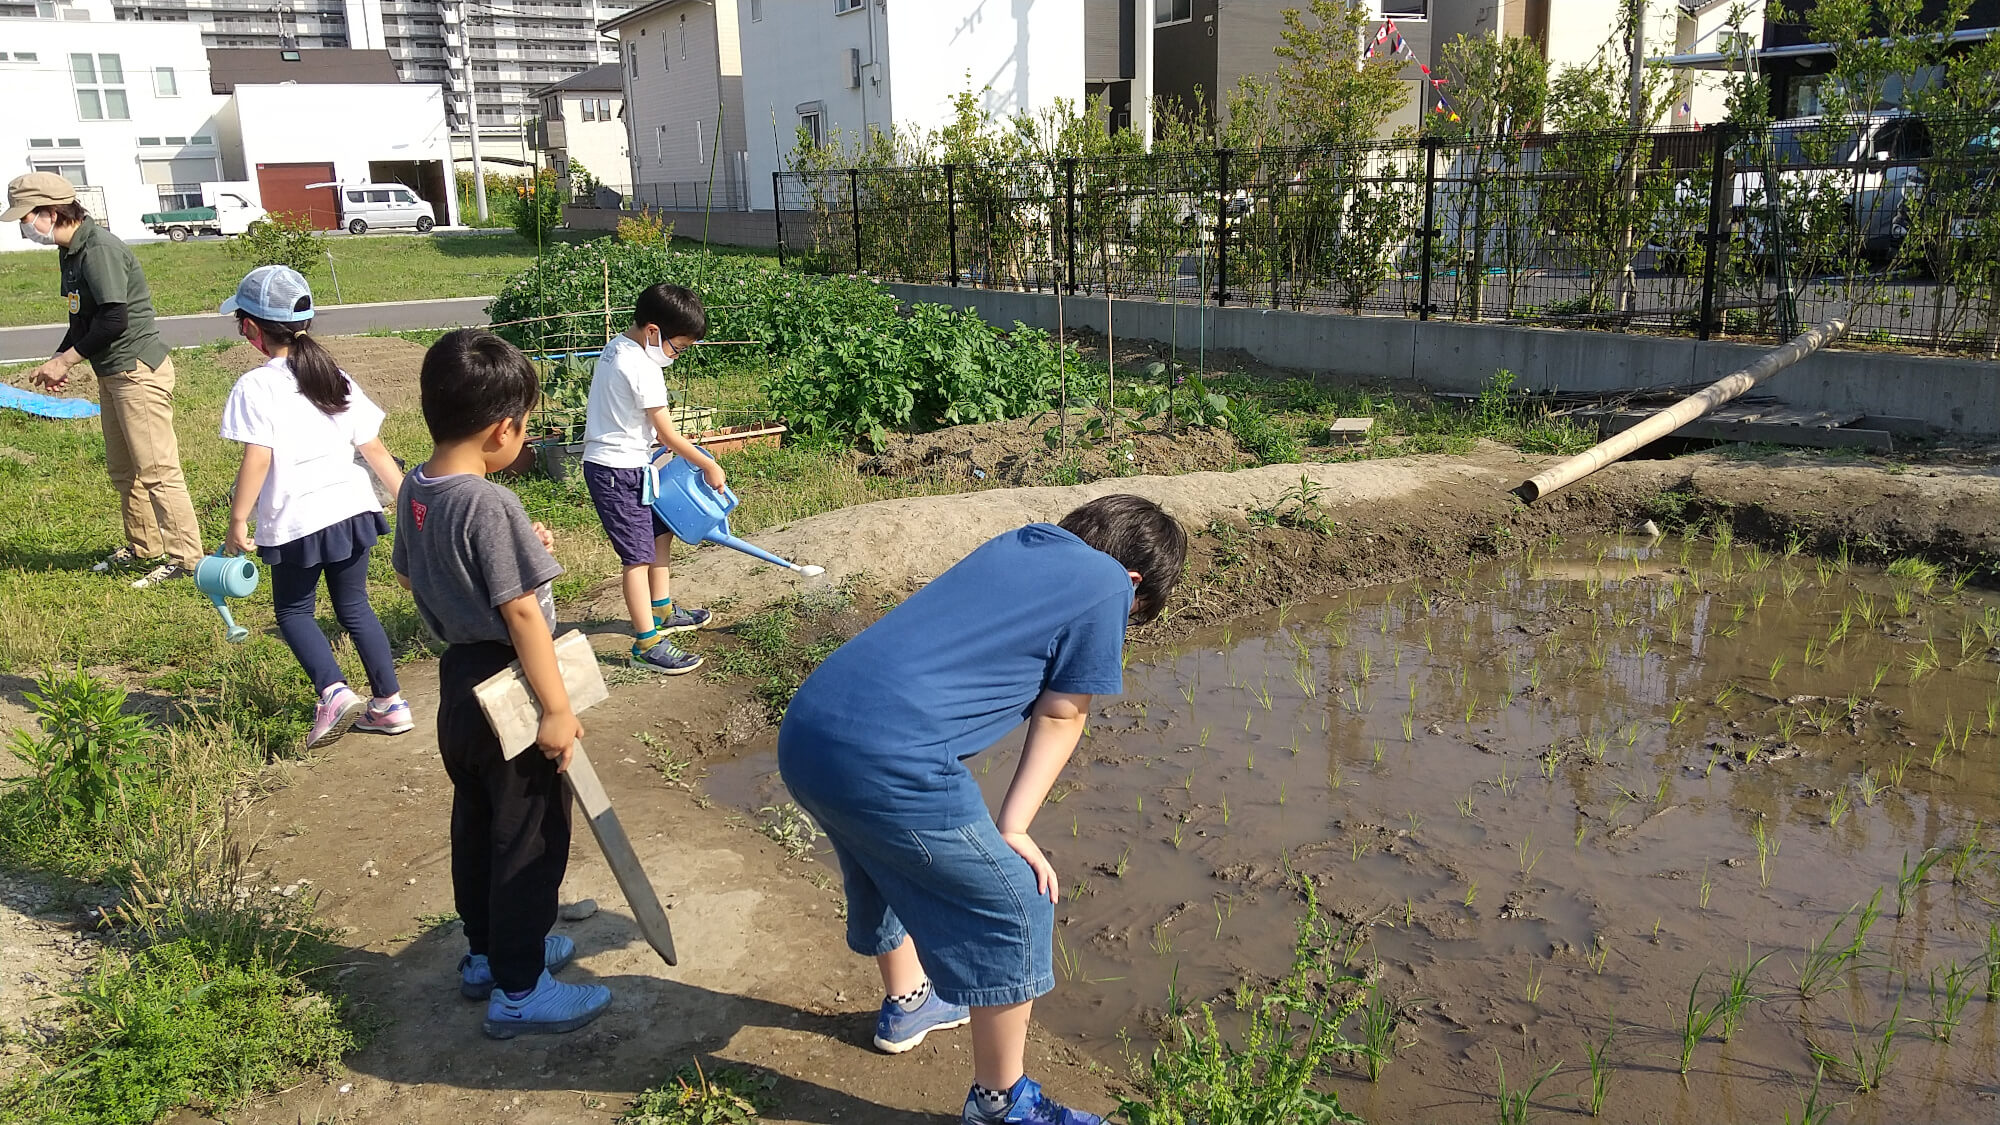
{"x":275,"y":293}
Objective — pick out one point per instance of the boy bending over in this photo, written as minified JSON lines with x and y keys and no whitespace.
{"x":957,"y":909}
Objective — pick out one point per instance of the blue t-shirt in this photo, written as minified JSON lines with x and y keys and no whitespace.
{"x":880,"y":727}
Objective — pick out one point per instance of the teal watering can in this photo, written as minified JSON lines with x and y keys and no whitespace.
{"x":697,"y":513}
{"x":227,"y":576}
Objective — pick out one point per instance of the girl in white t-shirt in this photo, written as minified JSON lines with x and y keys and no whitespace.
{"x":301,"y":419}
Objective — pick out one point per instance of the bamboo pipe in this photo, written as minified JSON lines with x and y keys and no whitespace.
{"x":1679,"y":414}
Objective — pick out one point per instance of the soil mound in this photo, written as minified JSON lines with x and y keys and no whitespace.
{"x":1018,"y":452}
{"x":385,"y":366}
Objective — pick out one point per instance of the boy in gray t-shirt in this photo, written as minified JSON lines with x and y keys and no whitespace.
{"x":480,"y":570}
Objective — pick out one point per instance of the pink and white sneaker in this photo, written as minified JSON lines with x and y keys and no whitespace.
{"x":393,"y":719}
{"x":338,"y":708}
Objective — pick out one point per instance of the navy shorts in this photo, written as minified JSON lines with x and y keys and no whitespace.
{"x":985,"y":935}
{"x":619,"y":497}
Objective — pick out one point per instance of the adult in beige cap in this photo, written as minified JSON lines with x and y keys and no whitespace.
{"x":111,"y":325}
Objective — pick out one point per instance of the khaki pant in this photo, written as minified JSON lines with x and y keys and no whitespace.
{"x":144,"y":457}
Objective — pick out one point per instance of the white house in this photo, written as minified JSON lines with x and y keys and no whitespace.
{"x":123,"y":110}
{"x":683,"y":76}
{"x":850,"y":66}
{"x":581,"y":120}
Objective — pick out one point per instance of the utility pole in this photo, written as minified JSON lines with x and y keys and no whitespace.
{"x":1636,"y":34}
{"x":458,"y":63}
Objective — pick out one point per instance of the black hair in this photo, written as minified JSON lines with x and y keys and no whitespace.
{"x":313,"y":369}
{"x":1143,"y":538}
{"x":673,"y":309}
{"x":66,"y":214}
{"x":472,"y":379}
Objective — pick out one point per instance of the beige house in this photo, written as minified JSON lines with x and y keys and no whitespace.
{"x":581,"y":120}
{"x":682,"y":69}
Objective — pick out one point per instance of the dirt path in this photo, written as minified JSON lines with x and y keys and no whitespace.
{"x":765,"y":980}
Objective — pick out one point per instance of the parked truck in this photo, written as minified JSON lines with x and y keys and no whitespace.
{"x":226,"y":209}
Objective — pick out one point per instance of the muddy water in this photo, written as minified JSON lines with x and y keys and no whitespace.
{"x":1547,"y":798}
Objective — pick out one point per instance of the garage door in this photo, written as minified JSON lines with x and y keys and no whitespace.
{"x":285,"y":192}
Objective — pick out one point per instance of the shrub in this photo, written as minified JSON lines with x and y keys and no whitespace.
{"x":90,"y":776}
{"x":280,"y":240}
{"x":538,"y":205}
{"x":1261,"y":435}
{"x":645,"y":229}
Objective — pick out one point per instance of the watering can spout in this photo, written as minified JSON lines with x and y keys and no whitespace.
{"x":697,"y":513}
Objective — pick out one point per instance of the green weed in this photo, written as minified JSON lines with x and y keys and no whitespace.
{"x":90,"y":781}
{"x":730,"y":1096}
{"x":1600,"y":1070}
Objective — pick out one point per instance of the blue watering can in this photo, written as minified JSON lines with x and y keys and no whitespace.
{"x":696,"y":513}
{"x":227,"y":576}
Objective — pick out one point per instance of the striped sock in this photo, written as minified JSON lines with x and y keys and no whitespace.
{"x":912,"y":1000}
{"x":646,"y":641}
{"x":663,"y":609}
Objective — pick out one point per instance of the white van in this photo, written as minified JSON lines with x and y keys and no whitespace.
{"x":364,"y":206}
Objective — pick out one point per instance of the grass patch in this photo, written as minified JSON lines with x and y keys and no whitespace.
{"x":729,"y":1096}
{"x":777,"y":648}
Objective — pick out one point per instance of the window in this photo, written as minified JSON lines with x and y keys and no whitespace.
{"x":69,"y":142}
{"x":100,"y":88}
{"x":666,"y":54}
{"x":164,"y":84}
{"x":149,"y":142}
{"x":357,"y":197}
{"x":632,"y":53}
{"x":810,"y":122}
{"x":26,"y":56}
{"x":177,"y":142}
{"x":756,"y":11}
{"x":404,"y":197}
{"x":378,"y":197}
{"x":1172,"y":11}
{"x":198,"y":140}
{"x":71,"y":172}
{"x":42,"y":142}
{"x":842,"y":7}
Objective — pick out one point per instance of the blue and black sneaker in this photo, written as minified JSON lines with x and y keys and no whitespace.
{"x":1026,"y":1106}
{"x":897,"y":1031}
{"x":552,"y":1008}
{"x":475,"y":974}
{"x":682,"y":620}
{"x":666,"y":659}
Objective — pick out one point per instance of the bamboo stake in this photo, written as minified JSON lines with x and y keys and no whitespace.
{"x":1679,"y":414}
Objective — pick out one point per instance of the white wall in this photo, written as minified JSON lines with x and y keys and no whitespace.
{"x":43,"y":107}
{"x":347,"y":126}
{"x":915,"y":56}
{"x":598,"y":145}
{"x":686,"y":71}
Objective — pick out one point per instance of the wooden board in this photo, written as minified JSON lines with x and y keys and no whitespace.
{"x":1345,"y":431}
{"x":516,"y":716}
{"x":511,"y":707}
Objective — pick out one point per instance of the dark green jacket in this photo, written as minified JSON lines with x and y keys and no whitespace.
{"x":110,"y":304}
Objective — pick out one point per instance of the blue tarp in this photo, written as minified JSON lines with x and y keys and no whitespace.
{"x":47,"y":406}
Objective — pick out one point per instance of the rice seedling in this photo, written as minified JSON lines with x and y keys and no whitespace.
{"x":1992,"y":962}
{"x":1600,"y":1070}
{"x":1824,"y":718}
{"x":1359,"y":847}
{"x":1548,"y":767}
{"x":1262,"y":695}
{"x":1534,"y":676}
{"x":1837,"y":806}
{"x":1903,"y":602}
{"x":1677,"y":712}
{"x":1881,"y":672}
{"x":1355,"y":697}
{"x":1466,"y":805}
{"x":1516,"y":1106}
{"x":1598,"y":955}
{"x":1706,"y":886}
{"x":1660,"y":790}
{"x":1246,"y":720}
{"x":1755,"y":560}
{"x":1950,"y":992}
{"x":1811,"y":658}
{"x":1767,"y":846}
{"x":1335,"y":777}
{"x":1788,"y":725}
{"x":1366,"y":665}
{"x":1964,"y":857}
{"x":1644,"y":646}
{"x":1618,"y":804}
{"x":1790,"y":581}
{"x":1187,"y":693}
{"x":1727,"y":693}
{"x":1378,"y":751}
{"x":1737,"y":995}
{"x":1528,"y":855}
{"x":1471,"y":708}
{"x":1162,"y":942}
{"x":1179,"y":829}
{"x":1205,"y":731}
{"x":1471,"y":891}
{"x":1777,"y":666}
{"x":1378,"y":1031}
{"x":1695,"y":1023}
{"x":1250,"y":759}
{"x":1225,"y":810}
{"x":1895,"y":771}
{"x":1505,"y":781}
{"x":1281,"y":794}
{"x":1866,"y":1063}
{"x":1534,"y":987}
{"x":1911,"y":880}
{"x":1597,"y":746}
{"x":1793,"y":545}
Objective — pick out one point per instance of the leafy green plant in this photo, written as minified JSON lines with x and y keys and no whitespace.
{"x":280,"y":240}
{"x":87,"y":774}
{"x":790,"y":828}
{"x":1262,"y":436}
{"x":538,"y":205}
{"x":694,"y":1097}
{"x":1287,"y":1036}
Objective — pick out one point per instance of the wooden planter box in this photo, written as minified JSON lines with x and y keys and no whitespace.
{"x":558,"y":460}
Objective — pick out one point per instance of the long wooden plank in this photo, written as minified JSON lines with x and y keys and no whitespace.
{"x":619,"y":853}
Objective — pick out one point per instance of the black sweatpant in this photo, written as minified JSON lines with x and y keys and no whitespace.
{"x":509,"y":825}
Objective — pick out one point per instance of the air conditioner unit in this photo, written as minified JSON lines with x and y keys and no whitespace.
{"x":854,"y":68}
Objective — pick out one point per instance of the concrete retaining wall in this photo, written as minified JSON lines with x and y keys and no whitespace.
{"x":1958,"y":395}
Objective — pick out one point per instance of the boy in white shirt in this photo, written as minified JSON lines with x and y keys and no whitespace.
{"x":628,"y":409}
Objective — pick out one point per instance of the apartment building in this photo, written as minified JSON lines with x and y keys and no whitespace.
{"x":833,"y":67}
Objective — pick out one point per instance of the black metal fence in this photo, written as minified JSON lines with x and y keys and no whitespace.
{"x":1890,"y":221}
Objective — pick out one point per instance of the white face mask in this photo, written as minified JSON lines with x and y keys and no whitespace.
{"x":658,"y":354}
{"x":35,"y":234}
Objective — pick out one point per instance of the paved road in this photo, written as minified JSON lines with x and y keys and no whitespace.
{"x":37,"y":342}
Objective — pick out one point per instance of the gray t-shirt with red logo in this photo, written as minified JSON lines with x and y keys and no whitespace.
{"x":468,"y":547}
